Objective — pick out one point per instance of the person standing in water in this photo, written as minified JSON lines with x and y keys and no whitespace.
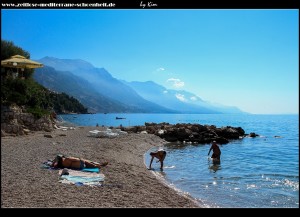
{"x":216,"y":152}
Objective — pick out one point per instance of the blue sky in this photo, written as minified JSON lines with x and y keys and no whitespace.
{"x":243,"y":58}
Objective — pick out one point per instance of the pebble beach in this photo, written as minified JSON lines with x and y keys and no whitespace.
{"x":128,"y":183}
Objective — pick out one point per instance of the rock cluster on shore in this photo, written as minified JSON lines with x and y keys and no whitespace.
{"x":15,"y":121}
{"x":194,"y":133}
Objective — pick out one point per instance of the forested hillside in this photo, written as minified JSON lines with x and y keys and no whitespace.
{"x":18,"y":87}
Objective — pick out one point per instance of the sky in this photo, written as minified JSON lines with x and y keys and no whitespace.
{"x":243,"y":58}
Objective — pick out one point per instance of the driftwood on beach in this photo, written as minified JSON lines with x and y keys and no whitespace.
{"x":195,"y":133}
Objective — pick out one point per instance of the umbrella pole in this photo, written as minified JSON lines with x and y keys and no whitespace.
{"x":17,"y":74}
{"x":22,"y":70}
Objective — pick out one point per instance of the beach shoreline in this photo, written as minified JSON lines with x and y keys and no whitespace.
{"x":128,"y":183}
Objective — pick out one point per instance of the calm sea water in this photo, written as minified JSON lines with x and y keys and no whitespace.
{"x":254,"y":172}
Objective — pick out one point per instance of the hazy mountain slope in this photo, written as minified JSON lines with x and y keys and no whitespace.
{"x":61,"y":81}
{"x":101,"y":81}
{"x":179,"y":99}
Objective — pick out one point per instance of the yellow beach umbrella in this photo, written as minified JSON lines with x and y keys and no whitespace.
{"x":18,"y":61}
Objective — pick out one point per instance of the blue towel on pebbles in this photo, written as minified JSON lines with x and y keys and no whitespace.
{"x":92,"y":170}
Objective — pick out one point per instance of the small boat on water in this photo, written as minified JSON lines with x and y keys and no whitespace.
{"x":120,"y":118}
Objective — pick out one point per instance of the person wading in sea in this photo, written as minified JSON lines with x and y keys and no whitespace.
{"x":160,"y":154}
{"x":216,"y":152}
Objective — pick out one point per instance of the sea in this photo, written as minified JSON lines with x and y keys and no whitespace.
{"x":260,"y":172}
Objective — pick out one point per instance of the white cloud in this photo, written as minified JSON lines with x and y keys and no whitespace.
{"x":193,"y":98}
{"x":180,"y":97}
{"x":177,"y":83}
{"x":160,"y":69}
{"x":165,"y":91}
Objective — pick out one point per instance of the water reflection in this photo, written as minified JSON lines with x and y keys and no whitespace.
{"x":176,"y":145}
{"x":214,"y":165}
{"x":180,"y":145}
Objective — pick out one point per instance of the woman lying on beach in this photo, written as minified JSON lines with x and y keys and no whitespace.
{"x":61,"y":161}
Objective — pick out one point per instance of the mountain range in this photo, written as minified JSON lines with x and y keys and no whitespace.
{"x":100,"y":92}
{"x":182,"y":100}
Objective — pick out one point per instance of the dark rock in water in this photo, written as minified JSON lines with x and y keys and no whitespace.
{"x":195,"y":133}
{"x":253,"y":135}
{"x":120,"y":118}
{"x":171,"y":138}
{"x":221,"y":140}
